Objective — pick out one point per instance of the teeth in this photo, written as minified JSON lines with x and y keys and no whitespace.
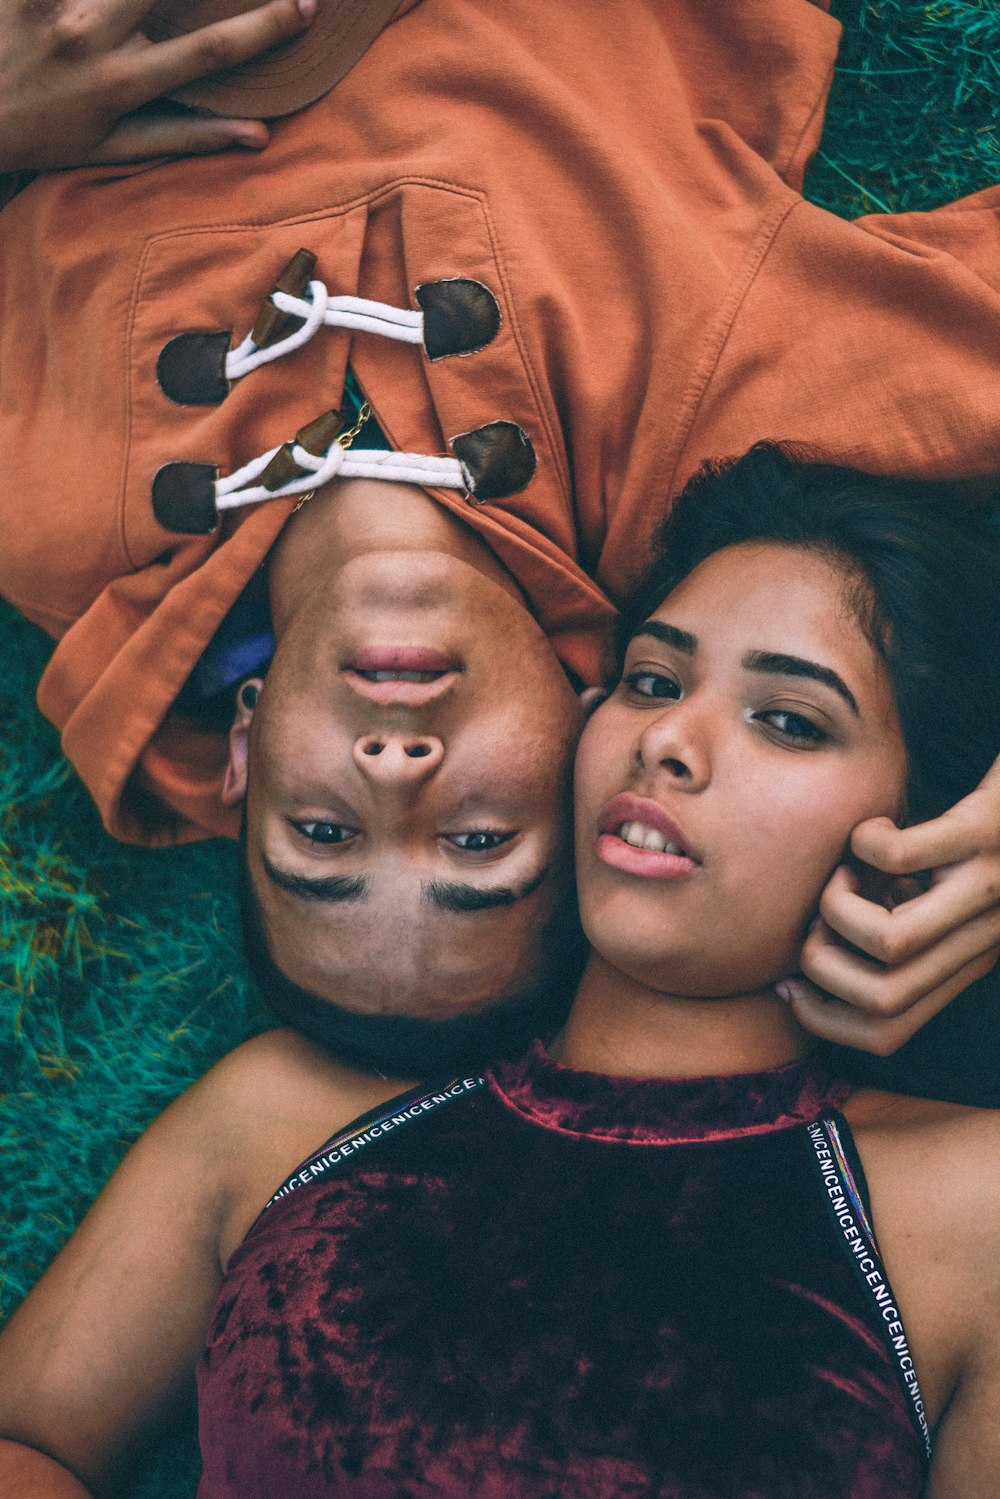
{"x":640,"y":836}
{"x":400,"y":676}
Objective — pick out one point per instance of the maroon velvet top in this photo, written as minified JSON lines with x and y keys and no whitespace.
{"x":567,"y":1286}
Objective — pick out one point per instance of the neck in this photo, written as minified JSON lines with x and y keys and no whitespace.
{"x":354,"y":517}
{"x":620,"y":1026}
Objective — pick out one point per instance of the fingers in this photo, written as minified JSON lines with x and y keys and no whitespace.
{"x":971,"y":827}
{"x":958,"y":895}
{"x":154,"y":69}
{"x":925,"y":845}
{"x":888,"y":992}
{"x":144,"y":137}
{"x":832,"y":1020}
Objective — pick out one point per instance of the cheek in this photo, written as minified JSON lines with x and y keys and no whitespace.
{"x":799,"y":828}
{"x":603,"y":758}
{"x":524,"y":753}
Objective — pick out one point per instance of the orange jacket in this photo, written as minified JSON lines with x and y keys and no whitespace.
{"x":624,"y":178}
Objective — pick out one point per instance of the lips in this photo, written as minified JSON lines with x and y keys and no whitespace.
{"x":636,"y":836}
{"x":402,"y":658}
{"x":411,"y":676}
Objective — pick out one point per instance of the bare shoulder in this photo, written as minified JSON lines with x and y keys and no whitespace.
{"x":933,"y":1172}
{"x":942,"y":1157}
{"x":281,"y":1076}
{"x":271,"y":1102}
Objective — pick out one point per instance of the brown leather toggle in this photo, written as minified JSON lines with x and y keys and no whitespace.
{"x":191,"y":368}
{"x":499,"y":457}
{"x":460,"y":316}
{"x":272,"y":323}
{"x":316,"y":437}
{"x":184,"y":498}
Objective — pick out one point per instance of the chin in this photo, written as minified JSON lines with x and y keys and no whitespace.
{"x":706,"y":974}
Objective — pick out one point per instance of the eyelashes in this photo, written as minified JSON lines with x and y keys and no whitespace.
{"x":326,"y":833}
{"x":790,"y":726}
{"x":652,"y":684}
{"x":480,"y":841}
{"x":472,"y":840}
{"x":794,"y":727}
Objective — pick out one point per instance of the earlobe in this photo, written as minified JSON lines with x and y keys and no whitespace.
{"x":234,"y":784}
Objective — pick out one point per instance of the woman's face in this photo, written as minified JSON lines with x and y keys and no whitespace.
{"x":716,"y":789}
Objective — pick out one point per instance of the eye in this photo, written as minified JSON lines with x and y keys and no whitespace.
{"x":324,"y":832}
{"x":479,"y":840}
{"x":651,"y":684}
{"x":794,"y":727}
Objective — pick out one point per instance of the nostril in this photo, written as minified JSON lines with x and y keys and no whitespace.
{"x":417,"y":751}
{"x":373,"y":749}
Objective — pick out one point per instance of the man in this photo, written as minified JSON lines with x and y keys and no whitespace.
{"x":609,"y":233}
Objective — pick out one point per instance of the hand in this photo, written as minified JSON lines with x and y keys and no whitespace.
{"x":926,"y":949}
{"x":73,"y":73}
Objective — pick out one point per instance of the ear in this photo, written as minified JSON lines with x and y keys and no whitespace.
{"x":591,"y":698}
{"x":234,"y":785}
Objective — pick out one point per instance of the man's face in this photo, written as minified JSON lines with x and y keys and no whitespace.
{"x":407,"y":806}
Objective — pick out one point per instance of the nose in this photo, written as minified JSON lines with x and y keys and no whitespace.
{"x":398,"y":760}
{"x":678,"y":742}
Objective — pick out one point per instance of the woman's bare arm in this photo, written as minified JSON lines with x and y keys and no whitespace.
{"x":111,"y":1333}
{"x":31,"y":1475}
{"x":109,"y":1338}
{"x":967,"y":1440}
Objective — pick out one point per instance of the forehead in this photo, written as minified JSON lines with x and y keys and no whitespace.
{"x":775,"y":597}
{"x":395,"y":953}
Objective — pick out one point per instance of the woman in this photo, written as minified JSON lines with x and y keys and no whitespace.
{"x":641,"y":1262}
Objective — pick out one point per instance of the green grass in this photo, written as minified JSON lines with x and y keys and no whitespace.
{"x":119,"y":976}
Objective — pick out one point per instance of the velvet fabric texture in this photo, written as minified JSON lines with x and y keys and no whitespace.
{"x":562,"y":1286}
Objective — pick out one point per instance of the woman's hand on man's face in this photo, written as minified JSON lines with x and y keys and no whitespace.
{"x":921,"y":952}
{"x":73,"y":73}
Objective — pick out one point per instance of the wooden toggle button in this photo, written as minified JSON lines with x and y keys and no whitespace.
{"x":460,"y":316}
{"x":272,"y":323}
{"x":317,"y":437}
{"x":499,"y":458}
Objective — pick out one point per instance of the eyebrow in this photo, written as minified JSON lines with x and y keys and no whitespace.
{"x":446,"y":895}
{"x":795,"y":666}
{"x":681,"y":640}
{"x":327,"y":887}
{"x":771,"y":662}
{"x":461,"y":898}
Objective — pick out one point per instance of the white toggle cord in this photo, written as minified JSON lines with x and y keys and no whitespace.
{"x":318,"y":309}
{"x":348,"y":463}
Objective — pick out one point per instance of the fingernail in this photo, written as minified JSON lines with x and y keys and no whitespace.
{"x":253,"y":136}
{"x":307,"y":9}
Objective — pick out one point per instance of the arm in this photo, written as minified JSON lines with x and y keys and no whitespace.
{"x":966,"y":1272}
{"x":72,"y":76}
{"x":110,"y":1335}
{"x":108,"y":1339}
{"x":921,"y":953}
{"x":32,"y":1475}
{"x":967,"y":1451}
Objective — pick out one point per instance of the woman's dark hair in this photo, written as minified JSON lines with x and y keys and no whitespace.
{"x":925,"y":566}
{"x":922,"y":566}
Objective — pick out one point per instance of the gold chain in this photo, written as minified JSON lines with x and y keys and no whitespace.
{"x":345,"y":439}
